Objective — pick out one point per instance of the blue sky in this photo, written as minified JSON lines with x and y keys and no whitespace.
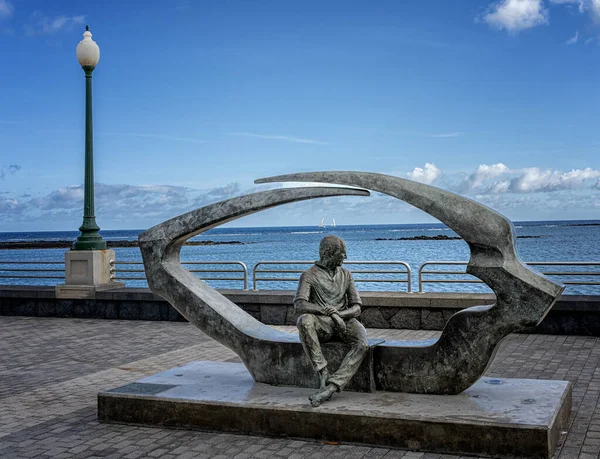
{"x":193,"y":100}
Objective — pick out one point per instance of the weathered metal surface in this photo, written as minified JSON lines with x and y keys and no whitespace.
{"x":446,"y":366}
{"x":470,"y":338}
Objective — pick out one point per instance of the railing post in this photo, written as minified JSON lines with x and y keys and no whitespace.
{"x":421,"y":277}
{"x":254,"y":285}
{"x":245,"y":269}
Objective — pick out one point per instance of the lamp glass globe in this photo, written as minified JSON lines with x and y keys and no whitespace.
{"x":88,"y":52}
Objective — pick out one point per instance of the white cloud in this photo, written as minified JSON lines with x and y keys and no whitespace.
{"x":593,"y":6}
{"x":154,"y":136}
{"x":524,"y":194}
{"x":217,"y":194}
{"x":6,"y":9}
{"x":62,"y":198}
{"x":48,"y":25}
{"x":9,"y":170}
{"x":595,"y":10}
{"x":527,"y":193}
{"x":500,"y":179}
{"x":534,"y":179}
{"x":516,"y":15}
{"x":499,"y":187}
{"x":124,"y":203}
{"x":482,"y":175}
{"x":580,"y":3}
{"x":574,"y":39}
{"x":452,"y":134}
{"x":428,"y":174}
{"x":184,"y":5}
{"x":285,"y":138}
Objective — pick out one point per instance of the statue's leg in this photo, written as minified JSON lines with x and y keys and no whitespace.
{"x":312,"y":330}
{"x":356,"y":337}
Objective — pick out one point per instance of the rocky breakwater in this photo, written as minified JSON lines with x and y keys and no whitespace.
{"x":437,"y":237}
{"x":111,"y":244}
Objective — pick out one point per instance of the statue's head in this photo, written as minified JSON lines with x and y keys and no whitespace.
{"x":332,"y":251}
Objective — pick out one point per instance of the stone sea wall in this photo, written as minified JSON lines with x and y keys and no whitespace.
{"x":572,"y":314}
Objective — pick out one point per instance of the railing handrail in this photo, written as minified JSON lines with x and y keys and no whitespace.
{"x":32,"y":262}
{"x":7,"y":271}
{"x":529,"y":263}
{"x":243,"y":270}
{"x":4,"y":270}
{"x":407,"y":281}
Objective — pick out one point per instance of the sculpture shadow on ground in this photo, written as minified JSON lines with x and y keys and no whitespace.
{"x":448,"y":365}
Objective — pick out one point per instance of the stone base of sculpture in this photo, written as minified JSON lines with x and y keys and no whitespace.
{"x":496,"y":417}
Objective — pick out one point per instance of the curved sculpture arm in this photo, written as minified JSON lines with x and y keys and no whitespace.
{"x":471,"y":336}
{"x":459,"y":213}
{"x":199,"y":303}
{"x":448,"y":365}
{"x":489,"y":234}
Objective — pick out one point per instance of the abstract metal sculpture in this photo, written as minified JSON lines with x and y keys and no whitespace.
{"x":447,"y":365}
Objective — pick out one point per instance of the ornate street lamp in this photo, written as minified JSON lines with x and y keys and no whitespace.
{"x":88,"y":264}
{"x":88,"y":55}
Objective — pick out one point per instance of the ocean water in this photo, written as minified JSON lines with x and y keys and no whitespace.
{"x":551,"y":241}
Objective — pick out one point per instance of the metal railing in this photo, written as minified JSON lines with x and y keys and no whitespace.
{"x":532,"y":263}
{"x":115,"y":274}
{"x":4,"y":271}
{"x":56,"y":270}
{"x":390,"y":272}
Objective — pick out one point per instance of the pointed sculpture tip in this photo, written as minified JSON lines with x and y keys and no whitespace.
{"x":273,"y":178}
{"x":356,"y":191}
{"x":87,"y":28}
{"x":296,"y":177}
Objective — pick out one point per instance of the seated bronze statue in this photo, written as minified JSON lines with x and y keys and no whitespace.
{"x":329,"y":304}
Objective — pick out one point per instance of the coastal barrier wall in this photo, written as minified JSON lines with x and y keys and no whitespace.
{"x":571,"y":315}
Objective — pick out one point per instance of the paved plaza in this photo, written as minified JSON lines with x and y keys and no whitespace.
{"x":52,"y":369}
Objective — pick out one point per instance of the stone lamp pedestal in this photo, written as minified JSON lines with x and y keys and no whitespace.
{"x":87,"y":272}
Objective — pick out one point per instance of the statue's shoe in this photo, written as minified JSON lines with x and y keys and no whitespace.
{"x":322,"y":396}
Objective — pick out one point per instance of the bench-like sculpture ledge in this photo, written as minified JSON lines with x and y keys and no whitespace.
{"x":448,"y":365}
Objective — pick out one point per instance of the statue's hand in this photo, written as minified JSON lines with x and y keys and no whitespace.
{"x":339,"y":323}
{"x":329,"y":310}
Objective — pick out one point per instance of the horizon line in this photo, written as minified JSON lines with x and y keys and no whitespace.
{"x":316,"y":225}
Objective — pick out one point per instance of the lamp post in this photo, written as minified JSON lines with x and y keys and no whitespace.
{"x":88,"y":55}
{"x":88,"y":264}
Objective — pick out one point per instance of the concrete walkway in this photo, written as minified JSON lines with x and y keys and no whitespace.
{"x":52,"y":369}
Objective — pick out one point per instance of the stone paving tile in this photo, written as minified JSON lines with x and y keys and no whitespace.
{"x":52,"y":369}
{"x":53,"y":352}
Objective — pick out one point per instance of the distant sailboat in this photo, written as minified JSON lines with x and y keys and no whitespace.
{"x":323,"y":225}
